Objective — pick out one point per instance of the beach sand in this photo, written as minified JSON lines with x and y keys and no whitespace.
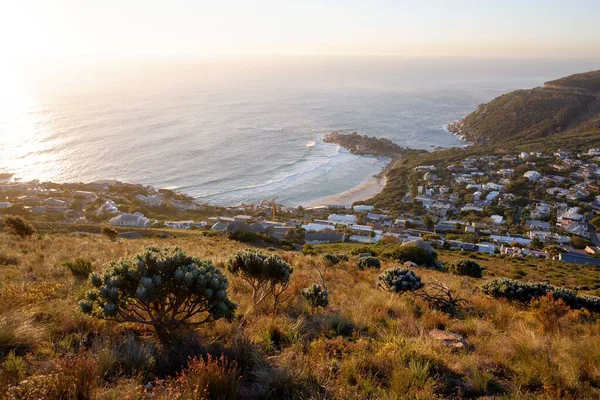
{"x":365,"y":190}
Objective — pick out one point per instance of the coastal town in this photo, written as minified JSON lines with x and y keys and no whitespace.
{"x":528,"y":204}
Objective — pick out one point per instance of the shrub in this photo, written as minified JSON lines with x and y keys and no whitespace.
{"x":110,"y":233}
{"x":267,"y":274}
{"x":80,"y":267}
{"x":369,"y":262}
{"x":163,"y":288}
{"x":343,"y":257}
{"x":316,"y":296}
{"x":399,"y":280}
{"x":364,"y":249}
{"x":14,"y":367}
{"x":525,"y":292}
{"x":331,"y":258}
{"x":213,"y":378}
{"x":414,"y":253}
{"x":15,"y":225}
{"x":308,"y":250}
{"x":466,"y":268}
{"x":75,"y":378}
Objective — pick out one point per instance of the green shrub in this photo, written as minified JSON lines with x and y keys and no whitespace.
{"x":267,"y":274}
{"x":308,"y":250}
{"x":465,"y":268}
{"x":343,"y":257}
{"x":331,"y":258}
{"x":414,"y":253}
{"x":80,"y":267}
{"x":14,"y":367}
{"x":369,"y":262}
{"x":363,"y":250}
{"x":163,"y":288}
{"x":316,"y":296}
{"x":399,"y":280}
{"x":524,"y":292}
{"x":15,"y":225}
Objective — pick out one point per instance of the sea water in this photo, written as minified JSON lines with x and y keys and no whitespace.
{"x":232,"y":131}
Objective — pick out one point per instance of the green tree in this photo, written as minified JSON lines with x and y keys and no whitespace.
{"x":267,"y":274}
{"x":163,"y":288}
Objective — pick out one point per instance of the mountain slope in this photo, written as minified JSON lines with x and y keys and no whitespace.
{"x":560,"y":106}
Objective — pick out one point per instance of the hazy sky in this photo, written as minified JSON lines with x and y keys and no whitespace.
{"x":86,"y":29}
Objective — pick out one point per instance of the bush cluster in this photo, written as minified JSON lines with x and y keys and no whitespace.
{"x":316,"y":296}
{"x":399,"y":280}
{"x":465,"y":268}
{"x":524,"y":292}
{"x":369,"y":262}
{"x":414,"y":253}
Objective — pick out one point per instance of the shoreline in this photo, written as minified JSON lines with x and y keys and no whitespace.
{"x":365,"y":190}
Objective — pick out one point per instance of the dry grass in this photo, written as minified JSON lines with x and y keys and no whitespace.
{"x":366,"y":344}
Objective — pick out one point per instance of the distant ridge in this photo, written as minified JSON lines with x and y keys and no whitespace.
{"x":569,"y":105}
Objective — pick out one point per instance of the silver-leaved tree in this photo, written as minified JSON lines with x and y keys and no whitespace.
{"x":164,"y":288}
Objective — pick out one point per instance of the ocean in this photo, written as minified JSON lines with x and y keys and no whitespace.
{"x":238,"y":130}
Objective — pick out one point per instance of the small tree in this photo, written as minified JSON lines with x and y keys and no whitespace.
{"x":267,"y":274}
{"x":400,"y":280}
{"x":110,"y":233}
{"x":316,"y":296}
{"x":163,"y":288}
{"x":15,"y":225}
{"x":368,"y":262}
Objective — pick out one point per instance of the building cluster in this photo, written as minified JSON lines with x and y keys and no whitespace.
{"x":514,"y":204}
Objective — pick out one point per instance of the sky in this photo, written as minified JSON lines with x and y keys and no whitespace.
{"x":48,"y":31}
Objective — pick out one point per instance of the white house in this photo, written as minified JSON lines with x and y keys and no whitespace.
{"x":5,"y":204}
{"x":184,"y":224}
{"x":532,"y":175}
{"x":498,"y":219}
{"x":342,"y":219}
{"x":136,"y":219}
{"x":318,"y":227}
{"x":363,"y":208}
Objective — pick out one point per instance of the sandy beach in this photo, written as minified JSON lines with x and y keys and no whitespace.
{"x":365,"y":190}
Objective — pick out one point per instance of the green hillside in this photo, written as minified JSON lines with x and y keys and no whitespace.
{"x":570,"y":104}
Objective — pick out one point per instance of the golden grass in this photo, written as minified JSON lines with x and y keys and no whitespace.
{"x":367,"y":344}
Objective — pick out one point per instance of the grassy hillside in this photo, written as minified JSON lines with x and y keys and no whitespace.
{"x":568,"y":104}
{"x":368,"y":344}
